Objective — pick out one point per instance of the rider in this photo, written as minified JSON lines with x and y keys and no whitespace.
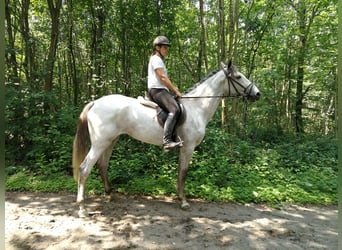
{"x":159,"y":87}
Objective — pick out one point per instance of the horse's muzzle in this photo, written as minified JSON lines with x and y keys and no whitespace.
{"x":255,"y":97}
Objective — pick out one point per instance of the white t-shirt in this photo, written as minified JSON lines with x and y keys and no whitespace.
{"x":153,"y":81}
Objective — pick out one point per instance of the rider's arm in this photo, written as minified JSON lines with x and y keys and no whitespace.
{"x":166,"y":81}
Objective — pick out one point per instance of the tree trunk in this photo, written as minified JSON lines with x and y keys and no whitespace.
{"x":221,"y":55}
{"x":11,"y":59}
{"x":98,"y":23}
{"x":71,"y":55}
{"x":231,"y":54}
{"x":305,"y":20}
{"x":202,"y":50}
{"x":54,"y":9}
{"x":299,"y":88}
{"x":28,"y":64}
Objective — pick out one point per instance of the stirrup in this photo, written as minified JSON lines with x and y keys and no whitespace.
{"x":172,"y":145}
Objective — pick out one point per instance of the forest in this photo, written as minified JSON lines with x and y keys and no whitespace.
{"x":61,"y":54}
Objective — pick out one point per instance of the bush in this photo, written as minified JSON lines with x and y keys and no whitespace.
{"x":37,"y":137}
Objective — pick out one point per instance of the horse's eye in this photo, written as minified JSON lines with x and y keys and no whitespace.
{"x":238,"y":77}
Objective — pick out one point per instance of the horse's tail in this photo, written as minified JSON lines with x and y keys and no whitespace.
{"x":81,"y":141}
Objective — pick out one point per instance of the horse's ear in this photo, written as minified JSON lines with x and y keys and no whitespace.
{"x":229,"y":63}
{"x":223,"y":65}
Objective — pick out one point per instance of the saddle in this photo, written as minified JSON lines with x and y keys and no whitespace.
{"x":162,"y":114}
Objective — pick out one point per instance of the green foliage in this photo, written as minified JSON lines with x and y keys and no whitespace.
{"x":262,"y":172}
{"x":224,"y":168}
{"x":35,"y":135}
{"x":23,"y":181}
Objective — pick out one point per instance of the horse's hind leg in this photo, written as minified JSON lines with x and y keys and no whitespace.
{"x":103,"y":166}
{"x":85,"y":168}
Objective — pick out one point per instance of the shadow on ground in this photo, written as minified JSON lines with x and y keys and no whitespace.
{"x":50,"y":221}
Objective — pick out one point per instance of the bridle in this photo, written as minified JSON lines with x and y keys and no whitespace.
{"x":232,"y":82}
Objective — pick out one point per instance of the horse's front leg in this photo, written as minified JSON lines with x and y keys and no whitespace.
{"x":183,"y":167}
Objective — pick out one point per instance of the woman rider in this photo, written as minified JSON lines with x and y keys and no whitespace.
{"x":159,"y":87}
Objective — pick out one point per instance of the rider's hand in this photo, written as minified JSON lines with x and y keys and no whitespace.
{"x":179,"y":94}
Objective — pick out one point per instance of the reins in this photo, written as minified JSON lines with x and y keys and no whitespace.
{"x":208,"y":96}
{"x":231,"y":82}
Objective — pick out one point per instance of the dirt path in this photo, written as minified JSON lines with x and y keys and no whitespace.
{"x":50,"y":221}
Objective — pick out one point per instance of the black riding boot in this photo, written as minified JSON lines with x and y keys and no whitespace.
{"x":168,"y":133}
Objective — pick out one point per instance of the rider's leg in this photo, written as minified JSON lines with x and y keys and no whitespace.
{"x":168,"y":131}
{"x":168,"y":103}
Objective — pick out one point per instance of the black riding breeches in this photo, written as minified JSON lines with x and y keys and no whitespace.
{"x":165,"y":100}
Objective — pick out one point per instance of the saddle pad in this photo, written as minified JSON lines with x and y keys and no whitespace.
{"x":147,"y":103}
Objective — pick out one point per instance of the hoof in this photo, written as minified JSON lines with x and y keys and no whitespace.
{"x":82,"y":213}
{"x":108,"y":191}
{"x":185,"y":205}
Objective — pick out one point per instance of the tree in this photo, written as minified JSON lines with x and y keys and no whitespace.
{"x":202,"y":54}
{"x":306,"y":12}
{"x":11,"y":59}
{"x":54,"y":9}
{"x":232,"y":54}
{"x":71,"y":61}
{"x":28,"y":44}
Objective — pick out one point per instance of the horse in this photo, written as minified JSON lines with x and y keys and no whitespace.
{"x":103,"y":120}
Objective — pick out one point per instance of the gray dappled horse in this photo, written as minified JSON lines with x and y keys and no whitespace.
{"x":105,"y":119}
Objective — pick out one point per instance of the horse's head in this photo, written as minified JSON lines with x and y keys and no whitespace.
{"x":238,"y":84}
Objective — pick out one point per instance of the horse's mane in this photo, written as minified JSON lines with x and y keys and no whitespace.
{"x":233,"y":69}
{"x":201,"y":81}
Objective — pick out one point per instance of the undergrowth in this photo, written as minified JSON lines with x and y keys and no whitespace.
{"x":224,"y":168}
